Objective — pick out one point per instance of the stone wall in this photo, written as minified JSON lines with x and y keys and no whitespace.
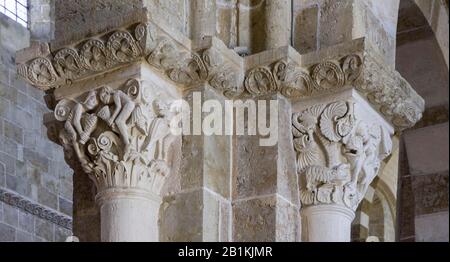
{"x":32,"y":169}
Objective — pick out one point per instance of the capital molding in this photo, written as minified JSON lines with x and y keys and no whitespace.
{"x":281,"y":70}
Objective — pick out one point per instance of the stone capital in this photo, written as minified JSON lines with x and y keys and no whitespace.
{"x":340,"y":143}
{"x":120,"y":137}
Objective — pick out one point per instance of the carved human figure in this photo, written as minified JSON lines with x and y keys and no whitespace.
{"x":362,"y":152}
{"x":159,"y":138}
{"x":123,"y":108}
{"x":80,"y":120}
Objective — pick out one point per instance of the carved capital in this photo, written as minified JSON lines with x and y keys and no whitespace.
{"x":339,"y":153}
{"x":120,"y":137}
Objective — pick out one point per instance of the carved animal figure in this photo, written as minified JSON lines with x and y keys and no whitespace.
{"x":318,"y":175}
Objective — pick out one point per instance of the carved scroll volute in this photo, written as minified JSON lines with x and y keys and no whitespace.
{"x":126,"y":147}
{"x":337,"y":155}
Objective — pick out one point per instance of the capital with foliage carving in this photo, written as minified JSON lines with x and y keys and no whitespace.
{"x":339,"y":153}
{"x":120,"y":137}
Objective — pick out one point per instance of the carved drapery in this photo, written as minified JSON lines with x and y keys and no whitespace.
{"x":338,"y":155}
{"x":120,"y":137}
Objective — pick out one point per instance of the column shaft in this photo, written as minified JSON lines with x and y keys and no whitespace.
{"x":203,"y":19}
{"x":327,"y":223}
{"x":128,"y":216}
{"x":278,"y":23}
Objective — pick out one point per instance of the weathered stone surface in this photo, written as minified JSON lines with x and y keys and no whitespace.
{"x":306,"y":28}
{"x":7,"y":233}
{"x":432,"y":227}
{"x":436,"y":148}
{"x":182,"y":217}
{"x":10,"y":215}
{"x":254,"y":220}
{"x":44,"y":229}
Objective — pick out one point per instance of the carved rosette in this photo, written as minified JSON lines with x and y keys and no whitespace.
{"x":338,"y":155}
{"x":120,"y":138}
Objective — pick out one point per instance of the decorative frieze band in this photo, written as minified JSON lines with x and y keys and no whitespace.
{"x":384,"y":88}
{"x":35,"y":209}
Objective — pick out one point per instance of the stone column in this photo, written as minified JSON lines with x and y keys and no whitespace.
{"x":128,"y":215}
{"x":120,"y":136}
{"x":203,"y":19}
{"x":278,"y":23}
{"x":342,"y":138}
{"x":114,"y":125}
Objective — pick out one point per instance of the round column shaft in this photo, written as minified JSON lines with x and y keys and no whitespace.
{"x":278,"y":23}
{"x":128,"y":215}
{"x":327,"y":223}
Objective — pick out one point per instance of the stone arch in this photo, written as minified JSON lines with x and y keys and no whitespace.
{"x":375,"y":217}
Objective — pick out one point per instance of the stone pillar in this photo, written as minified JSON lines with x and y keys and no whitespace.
{"x":203,"y":19}
{"x":114,"y":126}
{"x":278,"y":23}
{"x":342,"y":138}
{"x":327,"y":223}
{"x":128,"y":215}
{"x":340,"y":142}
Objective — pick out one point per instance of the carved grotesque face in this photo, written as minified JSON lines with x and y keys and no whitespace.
{"x":105,"y":95}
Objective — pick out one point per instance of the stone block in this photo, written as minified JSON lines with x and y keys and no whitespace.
{"x":432,"y":227}
{"x":36,"y":159}
{"x":225,"y":222}
{"x":65,"y":206}
{"x":181,"y":217}
{"x":334,"y":31}
{"x":8,"y":162}
{"x":18,"y":184}
{"x":256,"y":168}
{"x":61,"y":234}
{"x":211,"y":217}
{"x":13,"y":132}
{"x":47,"y":198}
{"x":427,"y":149}
{"x":9,"y":147}
{"x":22,"y":236}
{"x":44,"y":229}
{"x":254,"y":220}
{"x":2,"y":175}
{"x":305,"y":28}
{"x":430,"y":193}
{"x":287,"y":222}
{"x":11,"y":215}
{"x":26,"y":222}
{"x":7,"y":233}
